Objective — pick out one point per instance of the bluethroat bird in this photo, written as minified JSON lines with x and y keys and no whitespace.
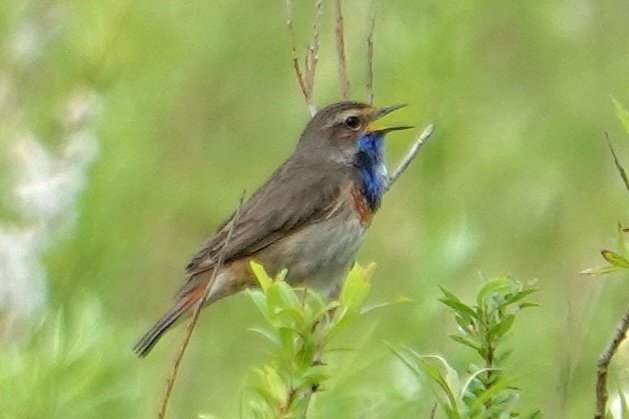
{"x":310,"y":217}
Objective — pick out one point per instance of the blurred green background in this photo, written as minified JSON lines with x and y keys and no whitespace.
{"x":187,"y":103}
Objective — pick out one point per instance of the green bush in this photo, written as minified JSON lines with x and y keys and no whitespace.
{"x":71,"y":365}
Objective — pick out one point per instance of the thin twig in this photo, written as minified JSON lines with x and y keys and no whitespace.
{"x":621,"y":170}
{"x":621,"y":331}
{"x":370,"y":95}
{"x":294,"y":57}
{"x":170,"y":382}
{"x":603,"y":365}
{"x":412,"y":152}
{"x":312,"y":58}
{"x":433,"y":411}
{"x":340,"y":50}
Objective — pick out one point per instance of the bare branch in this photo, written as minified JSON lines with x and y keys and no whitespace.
{"x":603,"y":365}
{"x":369,"y":83}
{"x":170,"y":382}
{"x":312,"y":58}
{"x":412,"y":152}
{"x":294,"y":57}
{"x":340,"y":49}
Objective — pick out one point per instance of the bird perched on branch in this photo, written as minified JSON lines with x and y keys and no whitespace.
{"x":310,"y":216}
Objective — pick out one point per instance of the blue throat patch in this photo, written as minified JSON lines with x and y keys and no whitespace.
{"x":373,"y":172}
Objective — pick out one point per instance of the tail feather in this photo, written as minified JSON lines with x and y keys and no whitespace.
{"x":193,"y":289}
{"x":152,"y":336}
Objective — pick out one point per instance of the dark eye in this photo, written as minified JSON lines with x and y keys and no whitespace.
{"x":353,"y":122}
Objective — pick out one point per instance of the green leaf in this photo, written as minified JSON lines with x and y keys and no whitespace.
{"x":501,"y":384}
{"x":313,"y":376}
{"x":408,"y":358}
{"x":448,"y":384}
{"x":454,"y":302}
{"x":287,"y":295}
{"x":615,"y":259}
{"x":448,"y":294}
{"x":519,"y":295}
{"x":260,"y":301}
{"x":292,"y":318}
{"x":317,"y":302}
{"x":499,"y":285}
{"x":267,"y":334}
{"x":622,"y":114}
{"x":463,"y":341}
{"x":502,"y":355}
{"x":287,"y":339}
{"x":462,"y":309}
{"x":500,"y":329}
{"x":467,"y":325}
{"x":444,"y":387}
{"x":535,"y":415}
{"x":278,"y":295}
{"x":474,"y":383}
{"x":272,"y":388}
{"x":601,"y":270}
{"x":356,"y":287}
{"x":340,"y":321}
{"x":385,"y":304}
{"x":263,"y":278}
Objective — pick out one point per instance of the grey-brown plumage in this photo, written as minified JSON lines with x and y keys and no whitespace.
{"x":309,"y":217}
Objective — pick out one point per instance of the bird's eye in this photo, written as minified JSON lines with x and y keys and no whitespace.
{"x":353,"y":122}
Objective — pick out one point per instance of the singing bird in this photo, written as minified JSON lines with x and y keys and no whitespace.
{"x":310,"y":217}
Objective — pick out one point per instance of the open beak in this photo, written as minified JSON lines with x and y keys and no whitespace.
{"x":389,"y":129}
{"x":385,"y":111}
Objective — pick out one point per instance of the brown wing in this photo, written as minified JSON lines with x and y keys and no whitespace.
{"x":300,"y":191}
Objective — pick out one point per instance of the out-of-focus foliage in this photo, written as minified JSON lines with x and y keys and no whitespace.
{"x":488,"y":391}
{"x":196,"y":102}
{"x":68,"y":367}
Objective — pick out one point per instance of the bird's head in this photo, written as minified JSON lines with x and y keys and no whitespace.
{"x":336,"y":131}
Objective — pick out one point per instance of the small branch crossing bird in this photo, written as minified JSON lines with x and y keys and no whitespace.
{"x":310,"y":217}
